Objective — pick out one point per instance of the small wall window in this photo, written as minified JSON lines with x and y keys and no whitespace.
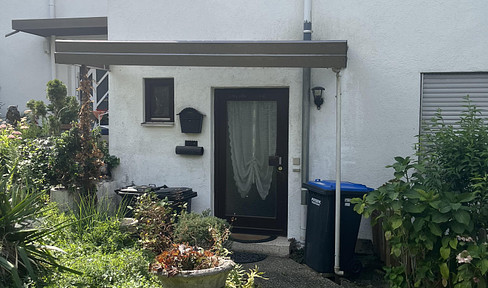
{"x":159,"y":99}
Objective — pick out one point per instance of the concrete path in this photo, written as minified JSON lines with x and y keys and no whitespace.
{"x":284,"y":272}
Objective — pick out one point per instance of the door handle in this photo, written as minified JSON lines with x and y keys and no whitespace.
{"x":275,"y":160}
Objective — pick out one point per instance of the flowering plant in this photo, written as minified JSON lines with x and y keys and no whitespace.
{"x":472,"y":261}
{"x":183,"y":257}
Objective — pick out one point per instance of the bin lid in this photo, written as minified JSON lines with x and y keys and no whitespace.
{"x":330,"y":185}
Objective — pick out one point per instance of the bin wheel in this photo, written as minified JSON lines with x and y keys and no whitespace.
{"x":354,"y":266}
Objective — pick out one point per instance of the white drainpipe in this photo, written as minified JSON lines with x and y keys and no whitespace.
{"x":52,"y":39}
{"x":337,"y":268}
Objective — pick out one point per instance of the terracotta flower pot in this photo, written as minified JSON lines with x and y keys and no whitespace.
{"x":205,"y":278}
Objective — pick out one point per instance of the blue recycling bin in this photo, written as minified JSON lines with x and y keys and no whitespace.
{"x":319,"y":241}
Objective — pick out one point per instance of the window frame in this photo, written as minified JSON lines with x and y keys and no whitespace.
{"x":149,"y":84}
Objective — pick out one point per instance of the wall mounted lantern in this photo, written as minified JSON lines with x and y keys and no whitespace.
{"x":317,"y":96}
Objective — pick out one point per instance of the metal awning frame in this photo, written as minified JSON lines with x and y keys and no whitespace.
{"x":61,"y":26}
{"x":299,"y":54}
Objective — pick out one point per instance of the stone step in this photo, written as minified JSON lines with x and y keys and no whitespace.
{"x":278,"y":247}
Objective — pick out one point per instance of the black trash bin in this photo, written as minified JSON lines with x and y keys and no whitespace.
{"x":319,"y":241}
{"x":177,"y":196}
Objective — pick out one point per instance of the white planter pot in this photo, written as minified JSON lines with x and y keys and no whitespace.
{"x":64,"y":198}
{"x":205,"y":278}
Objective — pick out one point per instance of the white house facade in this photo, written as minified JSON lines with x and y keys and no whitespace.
{"x":394,"y":50}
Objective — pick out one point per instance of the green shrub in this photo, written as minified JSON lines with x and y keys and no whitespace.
{"x":455,"y":154}
{"x":97,"y":246}
{"x":155,"y":223}
{"x":434,"y":212}
{"x":123,"y":268}
{"x":34,"y":160}
{"x":202,"y":230}
{"x":24,"y":255}
{"x":92,"y":224}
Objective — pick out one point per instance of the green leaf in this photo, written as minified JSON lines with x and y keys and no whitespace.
{"x":484,"y":266}
{"x":444,"y":270}
{"x":398,"y":175}
{"x":445,"y":252}
{"x":444,"y":207}
{"x":418,"y":224}
{"x":434,"y":229}
{"x":453,"y":243}
{"x":399,"y":159}
{"x":462,"y":217}
{"x":26,"y":262}
{"x":359,"y":208}
{"x":435,"y":204}
{"x":466,"y":197}
{"x":12,"y":270}
{"x":396,"y":222}
{"x":438,"y":217}
{"x":412,"y":194}
{"x":396,"y":251}
{"x":455,"y":206}
{"x":414,"y":208}
{"x":457,"y":227}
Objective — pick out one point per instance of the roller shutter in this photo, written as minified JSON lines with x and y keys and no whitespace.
{"x":446,"y":91}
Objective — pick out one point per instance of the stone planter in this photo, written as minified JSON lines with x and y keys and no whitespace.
{"x":64,"y":198}
{"x":205,"y":278}
{"x":69,"y":200}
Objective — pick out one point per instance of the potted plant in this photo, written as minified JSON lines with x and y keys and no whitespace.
{"x":191,"y":266}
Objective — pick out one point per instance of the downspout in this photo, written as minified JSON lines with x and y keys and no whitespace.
{"x":307,"y":36}
{"x":52,"y":39}
{"x":337,"y":232}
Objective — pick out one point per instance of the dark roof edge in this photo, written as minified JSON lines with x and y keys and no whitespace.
{"x":62,"y":26}
{"x":314,"y":54}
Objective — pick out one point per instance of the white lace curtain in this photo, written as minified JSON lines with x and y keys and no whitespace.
{"x":252,"y":136}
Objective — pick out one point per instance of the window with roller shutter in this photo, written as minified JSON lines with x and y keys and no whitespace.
{"x":447,"y":91}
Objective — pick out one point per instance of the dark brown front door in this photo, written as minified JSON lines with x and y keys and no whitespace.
{"x":251,"y":159}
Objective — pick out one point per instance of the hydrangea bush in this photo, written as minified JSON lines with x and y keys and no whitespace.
{"x":434,"y":212}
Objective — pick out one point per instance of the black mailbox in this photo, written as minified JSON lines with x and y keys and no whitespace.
{"x":191,"y":120}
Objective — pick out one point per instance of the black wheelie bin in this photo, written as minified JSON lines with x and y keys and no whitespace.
{"x":319,"y":241}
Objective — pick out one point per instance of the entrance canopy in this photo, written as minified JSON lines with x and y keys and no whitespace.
{"x":62,"y":26}
{"x":300,"y":54}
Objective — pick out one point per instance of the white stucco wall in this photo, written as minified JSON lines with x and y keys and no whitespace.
{"x":390,"y":44}
{"x":25,"y":65}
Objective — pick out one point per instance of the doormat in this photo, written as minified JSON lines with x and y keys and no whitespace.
{"x":247,"y":257}
{"x":250,"y":238}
